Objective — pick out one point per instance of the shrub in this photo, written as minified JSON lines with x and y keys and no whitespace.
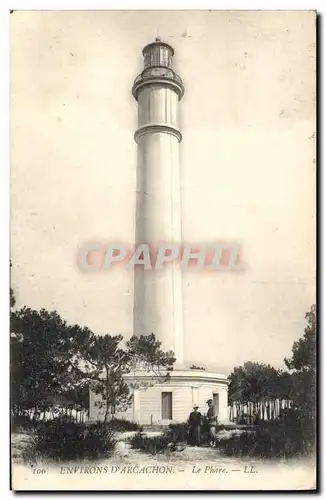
{"x":177,"y":432}
{"x":23,"y":423}
{"x":99,"y":441}
{"x":289,"y":437}
{"x":61,"y":441}
{"x":153,"y":445}
{"x":171,"y":440}
{"x":119,"y":424}
{"x":19,"y":422}
{"x":62,"y":419}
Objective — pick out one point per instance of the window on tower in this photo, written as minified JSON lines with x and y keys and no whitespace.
{"x":164,"y":56}
{"x":155,"y":59}
{"x":147,"y":59}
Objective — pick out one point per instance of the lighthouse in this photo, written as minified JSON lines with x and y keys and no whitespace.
{"x":158,"y":294}
{"x":158,"y":91}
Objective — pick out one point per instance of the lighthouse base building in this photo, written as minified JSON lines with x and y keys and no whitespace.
{"x":172,"y":401}
{"x":158,"y":295}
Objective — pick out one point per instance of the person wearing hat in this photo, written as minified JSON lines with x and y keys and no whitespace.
{"x":195,"y":421}
{"x":212,"y":421}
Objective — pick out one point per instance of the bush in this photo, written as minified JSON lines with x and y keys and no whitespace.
{"x":120,"y":424}
{"x":61,"y":441}
{"x":62,"y":419}
{"x":151,"y":445}
{"x":289,"y":437}
{"x":171,"y":440}
{"x":177,"y":432}
{"x":19,"y":422}
{"x":23,"y":423}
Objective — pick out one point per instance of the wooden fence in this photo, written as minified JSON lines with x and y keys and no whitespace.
{"x":262,"y":410}
{"x":76,"y":415}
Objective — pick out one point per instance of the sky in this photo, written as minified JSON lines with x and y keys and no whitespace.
{"x":247,"y":169}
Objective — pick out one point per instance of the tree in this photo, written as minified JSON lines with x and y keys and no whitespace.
{"x":255,"y":382}
{"x":51,"y":360}
{"x":107,"y":363}
{"x":12,"y":294}
{"x":41,"y":349}
{"x":304,"y":349}
{"x":103,"y":368}
{"x":146,"y":356}
{"x":303,"y":365}
{"x":12,"y":299}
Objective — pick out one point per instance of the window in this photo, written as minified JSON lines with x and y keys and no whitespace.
{"x":147,"y":59}
{"x":155,"y":56}
{"x":166,"y":405}
{"x":164,"y":57}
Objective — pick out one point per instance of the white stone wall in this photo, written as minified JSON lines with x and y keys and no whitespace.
{"x":150,"y":405}
{"x":147,"y":406}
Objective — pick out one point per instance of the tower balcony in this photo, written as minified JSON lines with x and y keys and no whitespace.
{"x":158,"y":75}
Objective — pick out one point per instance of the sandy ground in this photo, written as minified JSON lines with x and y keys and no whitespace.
{"x":190,"y":469}
{"x":18,"y":443}
{"x":125,"y":454}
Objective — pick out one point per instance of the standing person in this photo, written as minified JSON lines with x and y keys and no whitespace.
{"x":195,"y":420}
{"x":212,"y":421}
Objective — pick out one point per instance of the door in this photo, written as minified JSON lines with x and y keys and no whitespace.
{"x":166,"y":405}
{"x":216,"y":404}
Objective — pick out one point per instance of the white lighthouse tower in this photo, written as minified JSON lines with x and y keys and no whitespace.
{"x":158,"y":308}
{"x":158,"y":294}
